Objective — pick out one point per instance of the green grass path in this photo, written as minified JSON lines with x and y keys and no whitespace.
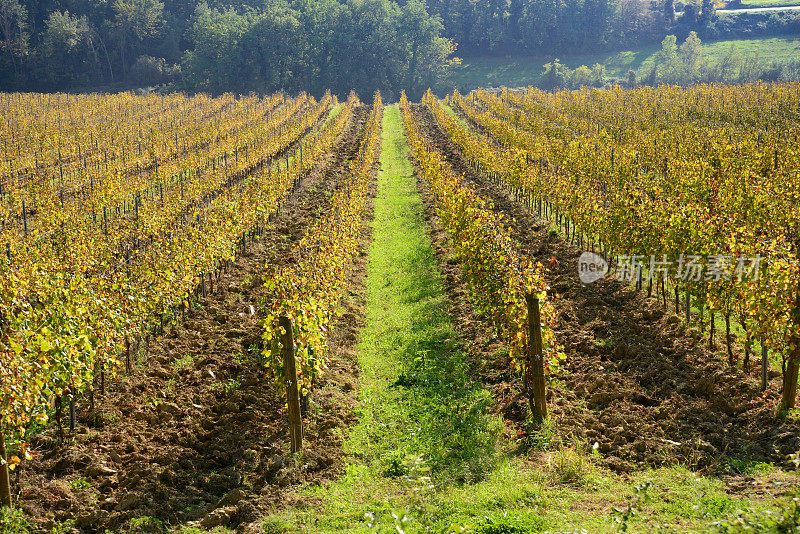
{"x":419,"y":413}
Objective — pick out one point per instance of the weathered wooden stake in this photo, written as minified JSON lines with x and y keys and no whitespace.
{"x":764,"y":364}
{"x":729,"y":340}
{"x":72,"y":412}
{"x":59,"y":413}
{"x":5,"y":481}
{"x":688,"y":307}
{"x":712,"y":329}
{"x":292,"y":393}
{"x":535,"y":367}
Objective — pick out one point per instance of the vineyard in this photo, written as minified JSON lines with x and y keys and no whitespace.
{"x":260,"y":313}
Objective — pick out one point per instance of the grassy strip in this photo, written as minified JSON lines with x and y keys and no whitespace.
{"x":420,"y":415}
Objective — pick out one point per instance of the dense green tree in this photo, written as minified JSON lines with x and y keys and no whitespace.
{"x":137,"y":22}
{"x":66,"y":50}
{"x":314,"y":45}
{"x":555,"y":74}
{"x":425,"y":51}
{"x":669,"y":13}
{"x":318,"y":45}
{"x":669,"y":67}
{"x":689,"y":53}
{"x":274,"y":51}
{"x":631,"y":78}
{"x":214,"y":61}
{"x":540,"y":22}
{"x":633,"y":21}
{"x":708,"y":10}
{"x":596,"y":22}
{"x":13,"y":36}
{"x":690,"y":15}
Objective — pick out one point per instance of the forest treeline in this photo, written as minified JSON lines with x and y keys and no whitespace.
{"x":311,"y":45}
{"x":315,"y":45}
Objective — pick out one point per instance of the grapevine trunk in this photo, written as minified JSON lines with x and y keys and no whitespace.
{"x":5,"y":482}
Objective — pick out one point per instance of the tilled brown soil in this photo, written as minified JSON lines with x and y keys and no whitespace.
{"x":198,"y":432}
{"x":634,"y":381}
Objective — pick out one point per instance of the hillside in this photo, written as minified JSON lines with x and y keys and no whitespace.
{"x":283,"y":314}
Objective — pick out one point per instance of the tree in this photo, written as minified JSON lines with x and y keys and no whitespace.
{"x":13,"y":38}
{"x":213,"y":63}
{"x":376,"y":54}
{"x":597,"y":16}
{"x":274,"y":51}
{"x":667,"y":60}
{"x":690,"y":58}
{"x":690,"y":15}
{"x":65,"y":49}
{"x":579,"y":77}
{"x":633,"y":21}
{"x":631,"y":78}
{"x":708,"y":10}
{"x":555,"y":74}
{"x":515,"y":9}
{"x":136,"y":21}
{"x":598,"y":78}
{"x":427,"y":60}
{"x":540,"y":22}
{"x":652,"y":77}
{"x":669,"y":13}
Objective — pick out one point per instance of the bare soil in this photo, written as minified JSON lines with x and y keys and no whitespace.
{"x":636,"y":381}
{"x":197,"y":433}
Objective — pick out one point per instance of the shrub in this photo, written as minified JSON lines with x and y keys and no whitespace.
{"x":786,"y":520}
{"x":631,"y":78}
{"x":12,"y":521}
{"x":150,"y":70}
{"x":570,"y":467}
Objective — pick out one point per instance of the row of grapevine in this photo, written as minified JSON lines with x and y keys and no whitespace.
{"x":664,"y":173}
{"x":309,"y":291}
{"x":64,"y":321}
{"x":500,"y":278}
{"x":143,"y":133}
{"x":113,"y":198}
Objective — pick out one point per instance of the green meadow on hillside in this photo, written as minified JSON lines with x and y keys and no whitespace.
{"x":527,"y":70}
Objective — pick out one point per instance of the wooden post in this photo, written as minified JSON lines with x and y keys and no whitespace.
{"x":789,"y":397}
{"x":688,"y":305}
{"x":292,"y":393}
{"x":712,"y":329}
{"x":72,"y":411}
{"x":729,"y":341}
{"x":5,"y":480}
{"x":535,"y":366}
{"x":677,"y":300}
{"x":764,"y":363}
